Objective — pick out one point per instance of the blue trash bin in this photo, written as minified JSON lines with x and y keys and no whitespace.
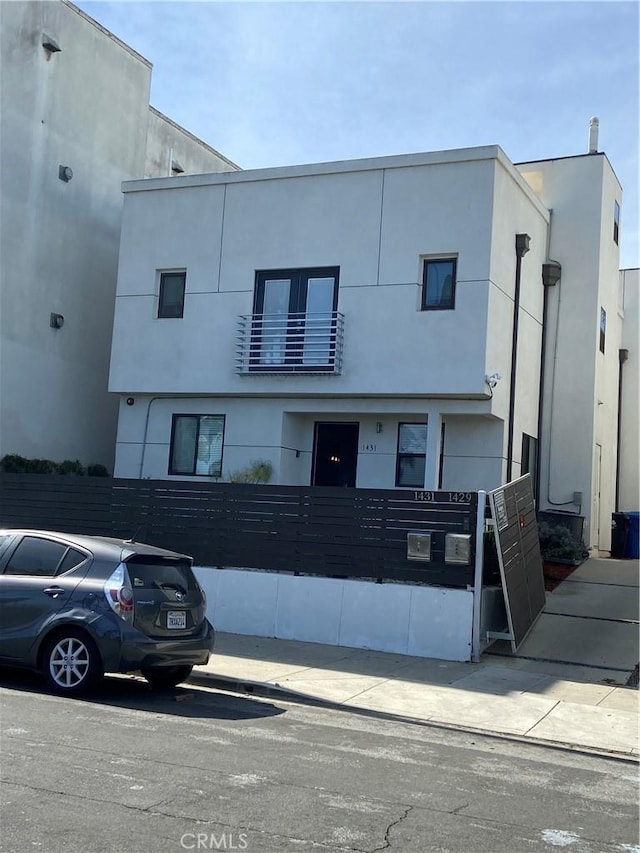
{"x":632,"y":550}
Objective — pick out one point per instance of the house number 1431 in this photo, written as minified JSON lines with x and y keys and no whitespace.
{"x":369,"y":448}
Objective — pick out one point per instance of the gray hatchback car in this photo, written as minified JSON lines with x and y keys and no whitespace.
{"x":74,"y":607}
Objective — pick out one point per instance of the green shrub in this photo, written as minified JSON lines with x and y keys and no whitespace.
{"x":97,"y":471}
{"x":69,"y":467}
{"x":259,"y":471}
{"x":558,"y":543}
{"x":42,"y":466}
{"x":14,"y":464}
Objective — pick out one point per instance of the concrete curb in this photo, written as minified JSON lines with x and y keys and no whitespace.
{"x":275,"y":691}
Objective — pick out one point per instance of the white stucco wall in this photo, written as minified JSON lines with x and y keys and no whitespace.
{"x":86,"y":107}
{"x":425,"y":621}
{"x":281,"y":430}
{"x":580,"y":405}
{"x":629,"y":489}
{"x":168,"y":143}
{"x":372,"y":219}
{"x":515,"y":213}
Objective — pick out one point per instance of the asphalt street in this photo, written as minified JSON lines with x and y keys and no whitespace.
{"x":133,"y":771}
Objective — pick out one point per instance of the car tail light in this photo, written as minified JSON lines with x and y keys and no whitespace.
{"x":119,"y":594}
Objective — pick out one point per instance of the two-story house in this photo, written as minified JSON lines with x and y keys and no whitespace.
{"x":437,"y":320}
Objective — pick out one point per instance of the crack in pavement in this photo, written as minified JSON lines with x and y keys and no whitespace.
{"x":458,"y":809}
{"x":387,"y":840}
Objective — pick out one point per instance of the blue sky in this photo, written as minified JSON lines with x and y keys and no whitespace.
{"x":271,"y":84}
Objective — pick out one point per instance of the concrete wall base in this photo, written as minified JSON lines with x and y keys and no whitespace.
{"x":425,"y":621}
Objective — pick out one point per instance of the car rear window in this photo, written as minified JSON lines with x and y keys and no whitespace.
{"x":155,"y":574}
{"x":72,"y":559}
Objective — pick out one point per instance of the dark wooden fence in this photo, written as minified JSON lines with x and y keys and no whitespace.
{"x":306,"y":530}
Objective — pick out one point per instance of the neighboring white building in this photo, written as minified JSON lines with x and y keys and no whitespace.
{"x":628,"y":498}
{"x":76,"y":122}
{"x":353,"y":324}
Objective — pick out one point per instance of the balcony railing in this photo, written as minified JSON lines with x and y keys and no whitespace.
{"x":290,"y":343}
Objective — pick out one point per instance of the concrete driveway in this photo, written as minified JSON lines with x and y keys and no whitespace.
{"x":590,"y":621}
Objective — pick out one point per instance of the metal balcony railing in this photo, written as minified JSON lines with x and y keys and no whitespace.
{"x":290,"y":343}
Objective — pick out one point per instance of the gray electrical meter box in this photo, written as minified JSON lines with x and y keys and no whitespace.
{"x":418,"y":546}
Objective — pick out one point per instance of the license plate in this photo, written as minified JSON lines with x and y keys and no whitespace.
{"x":176,"y":619}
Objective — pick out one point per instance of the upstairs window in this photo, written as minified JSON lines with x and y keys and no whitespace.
{"x":603,"y":328}
{"x":171,"y":297}
{"x":439,"y":284}
{"x":196,"y":445}
{"x":295,"y":321}
{"x":616,"y":222}
{"x":412,"y":454}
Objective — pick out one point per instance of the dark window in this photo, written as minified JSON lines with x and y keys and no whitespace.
{"x":35,"y":556}
{"x":616,"y":222}
{"x":196,"y":445}
{"x":439,"y":284}
{"x":5,"y":541}
{"x":294,"y":319}
{"x":412,"y":453}
{"x":71,"y":559}
{"x":529,"y":461}
{"x":603,"y":328}
{"x":171,"y":301}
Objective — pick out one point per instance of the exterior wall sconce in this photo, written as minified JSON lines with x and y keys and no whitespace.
{"x":50,"y":44}
{"x":56,"y":321}
{"x":379,"y":427}
{"x":176,"y":168}
{"x":522,"y":244}
{"x":65,"y":173}
{"x":551,"y":273}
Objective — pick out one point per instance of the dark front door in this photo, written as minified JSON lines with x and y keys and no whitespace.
{"x":335,"y":455}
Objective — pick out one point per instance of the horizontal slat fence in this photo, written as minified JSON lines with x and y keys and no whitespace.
{"x":306,"y":530}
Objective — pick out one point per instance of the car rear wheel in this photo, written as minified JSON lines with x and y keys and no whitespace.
{"x":71,"y":662}
{"x":166,"y":676}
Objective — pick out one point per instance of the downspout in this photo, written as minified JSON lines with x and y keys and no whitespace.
{"x":522,"y":247}
{"x":551,"y":272}
{"x":144,"y":437}
{"x":146,"y":422}
{"x":623,"y":355}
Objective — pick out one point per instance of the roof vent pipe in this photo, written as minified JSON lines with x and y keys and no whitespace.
{"x":594,"y":126}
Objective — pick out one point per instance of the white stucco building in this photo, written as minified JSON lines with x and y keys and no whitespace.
{"x":376,"y":323}
{"x":628,"y":497}
{"x":76,"y":122}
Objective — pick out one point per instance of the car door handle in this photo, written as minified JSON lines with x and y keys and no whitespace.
{"x":53,"y":591}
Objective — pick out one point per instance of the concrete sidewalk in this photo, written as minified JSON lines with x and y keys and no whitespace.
{"x":564,"y":688}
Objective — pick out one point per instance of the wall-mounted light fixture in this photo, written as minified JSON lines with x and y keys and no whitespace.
{"x":176,"y":168}
{"x":56,"y":321}
{"x":50,"y":44}
{"x":551,"y":272}
{"x":378,"y":427}
{"x":522,"y":244}
{"x":65,"y":173}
